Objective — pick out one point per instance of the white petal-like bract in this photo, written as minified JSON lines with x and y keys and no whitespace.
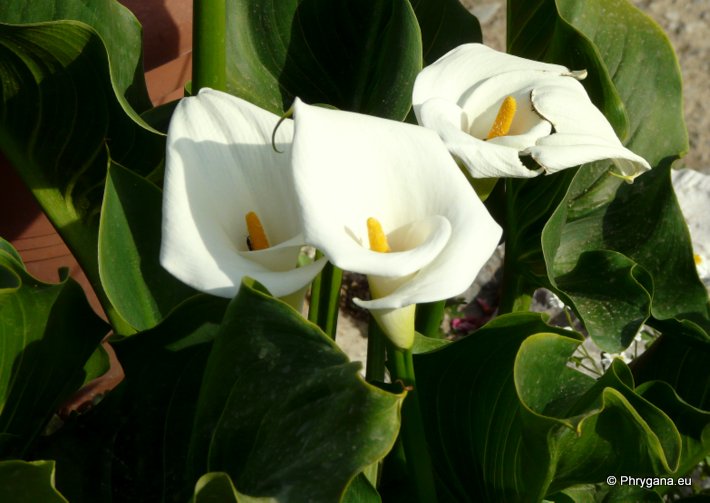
{"x":459,"y":96}
{"x":220,"y":165}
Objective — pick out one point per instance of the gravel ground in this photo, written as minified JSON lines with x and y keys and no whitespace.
{"x":687,"y":23}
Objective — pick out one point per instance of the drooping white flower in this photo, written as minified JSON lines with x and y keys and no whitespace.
{"x":490,"y":108}
{"x":366,"y":185}
{"x":223,"y":182}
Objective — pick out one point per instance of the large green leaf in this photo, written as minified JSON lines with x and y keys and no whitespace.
{"x":129,"y":246}
{"x":115,"y":24}
{"x":60,"y":120}
{"x":634,"y":234}
{"x":23,"y":482}
{"x":48,"y":333}
{"x":281,"y":406}
{"x":133,"y":445}
{"x":616,"y":251}
{"x":445,"y":24}
{"x":360,"y":56}
{"x":527,"y":424}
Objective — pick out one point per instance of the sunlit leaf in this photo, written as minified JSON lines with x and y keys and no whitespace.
{"x":129,"y":247}
{"x":23,"y":482}
{"x":48,"y":333}
{"x":62,"y":115}
{"x":610,"y":247}
{"x":528,"y":425}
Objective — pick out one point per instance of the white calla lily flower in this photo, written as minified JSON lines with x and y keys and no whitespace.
{"x":224,"y":183}
{"x":386,"y":199}
{"x":490,"y":108}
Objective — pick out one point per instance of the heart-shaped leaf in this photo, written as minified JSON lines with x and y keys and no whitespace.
{"x":61,"y":120}
{"x":133,"y":445}
{"x":280,"y":402}
{"x":359,"y":56}
{"x":528,"y":425}
{"x":49,"y":333}
{"x":23,"y":482}
{"x":115,"y":25}
{"x":601,"y":217}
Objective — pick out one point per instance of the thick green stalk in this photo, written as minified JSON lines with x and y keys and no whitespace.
{"x":209,"y":47}
{"x":325,"y":297}
{"x":375,"y":365}
{"x":428,"y":318}
{"x":516,"y":293}
{"x":412,"y":433}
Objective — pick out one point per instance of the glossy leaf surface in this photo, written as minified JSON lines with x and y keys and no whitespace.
{"x":280,"y":402}
{"x":359,"y":56}
{"x":129,"y":248}
{"x":48,"y":333}
{"x":527,"y":424}
{"x":616,"y":252}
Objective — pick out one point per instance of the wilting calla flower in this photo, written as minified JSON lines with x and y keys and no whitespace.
{"x":490,"y":108}
{"x":229,"y":207}
{"x":386,"y":199}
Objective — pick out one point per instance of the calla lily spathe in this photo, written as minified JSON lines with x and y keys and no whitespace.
{"x":220,"y":166}
{"x":349,"y":168}
{"x":460,"y":95}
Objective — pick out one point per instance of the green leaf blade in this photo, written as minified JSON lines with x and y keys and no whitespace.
{"x":129,"y":246}
{"x":280,"y":401}
{"x":359,"y":56}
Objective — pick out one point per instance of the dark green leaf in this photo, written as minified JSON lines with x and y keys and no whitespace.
{"x":115,"y":24}
{"x":424,"y":344}
{"x":643,"y":222}
{"x":445,"y":24}
{"x":613,"y":293}
{"x":133,"y":445}
{"x":139,"y":288}
{"x":634,"y":78}
{"x":361,"y":491}
{"x":527,"y":424}
{"x":280,"y":402}
{"x":693,"y":424}
{"x":215,"y":487}
{"x":604,"y":494}
{"x":23,"y":482}
{"x":360,"y":56}
{"x":60,"y":117}
{"x":49,"y":332}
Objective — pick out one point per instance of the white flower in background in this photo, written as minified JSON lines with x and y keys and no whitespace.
{"x":490,"y":108}
{"x":693,"y":191}
{"x":229,"y":207}
{"x":385,"y":199}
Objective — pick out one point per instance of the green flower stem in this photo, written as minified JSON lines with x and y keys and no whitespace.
{"x":325,"y":296}
{"x":428,"y":318}
{"x":209,"y":47}
{"x":375,"y":365}
{"x":419,"y":464}
{"x":516,"y":293}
